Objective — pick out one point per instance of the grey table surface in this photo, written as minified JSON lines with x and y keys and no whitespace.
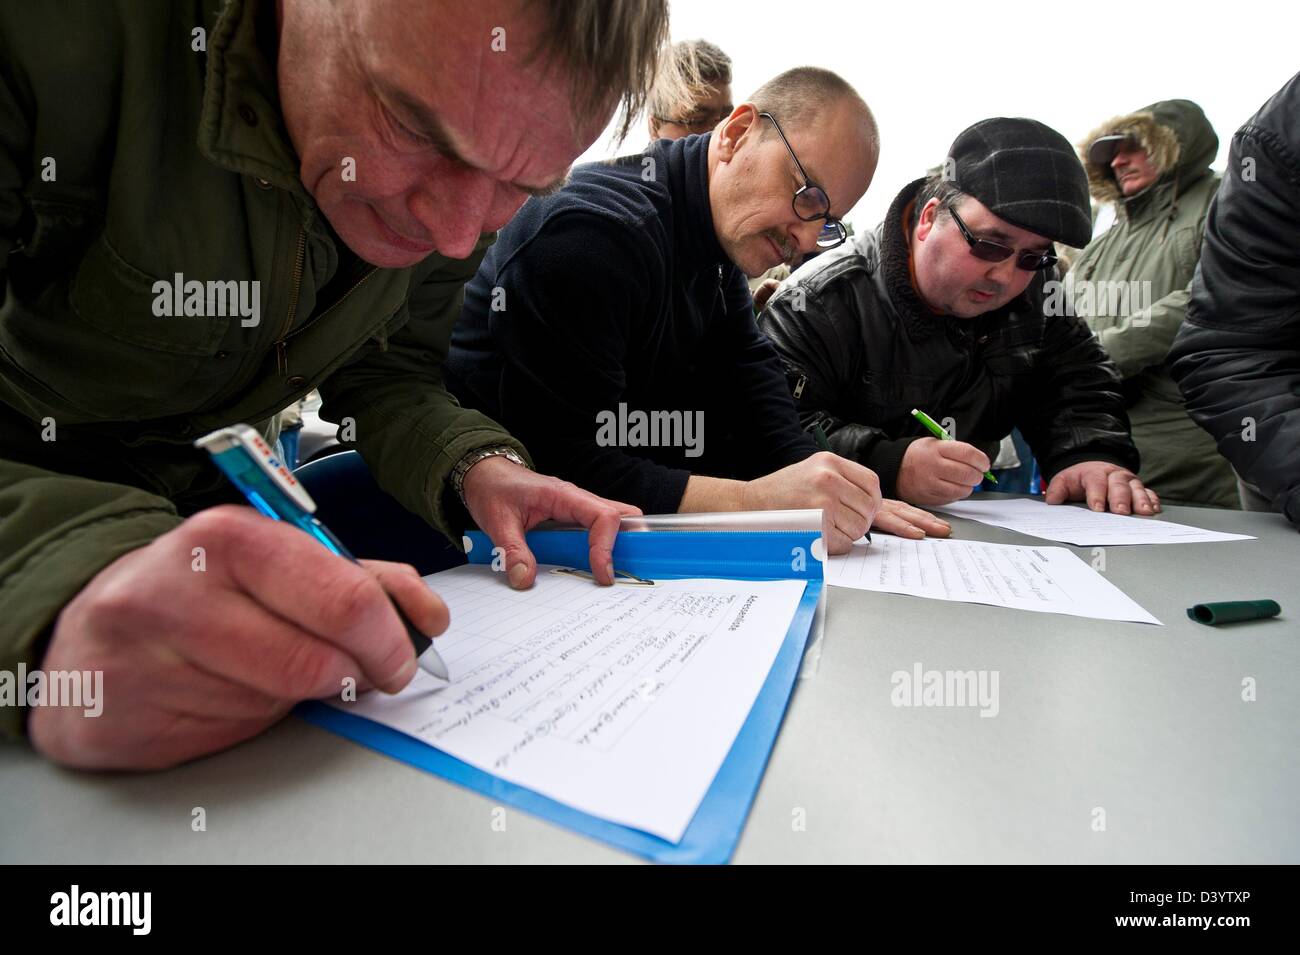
{"x":1113,"y":743}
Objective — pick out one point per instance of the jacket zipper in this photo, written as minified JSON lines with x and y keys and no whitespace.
{"x":282,"y":343}
{"x":352,"y":288}
{"x":281,"y":350}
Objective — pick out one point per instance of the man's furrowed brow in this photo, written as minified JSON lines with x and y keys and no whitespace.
{"x":425,"y":123}
{"x":420,"y":119}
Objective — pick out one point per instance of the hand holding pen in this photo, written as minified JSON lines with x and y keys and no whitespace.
{"x":940,"y":470}
{"x":246,"y":459}
{"x":212,"y":632}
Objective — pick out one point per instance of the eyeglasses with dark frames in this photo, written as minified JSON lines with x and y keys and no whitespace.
{"x":989,"y":251}
{"x":810,"y":201}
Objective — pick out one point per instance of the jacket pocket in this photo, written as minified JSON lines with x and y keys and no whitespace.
{"x":120,"y":357}
{"x":120,"y":301}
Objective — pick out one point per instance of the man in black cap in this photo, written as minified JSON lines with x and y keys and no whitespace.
{"x":946,"y":308}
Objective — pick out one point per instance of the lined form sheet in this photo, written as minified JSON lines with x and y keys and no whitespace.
{"x":1046,"y":579}
{"x":620,"y":701}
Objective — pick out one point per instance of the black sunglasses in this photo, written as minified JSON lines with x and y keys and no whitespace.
{"x":810,"y":201}
{"x":996,"y":252}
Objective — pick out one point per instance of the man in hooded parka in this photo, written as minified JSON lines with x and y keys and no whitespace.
{"x":1131,"y":284}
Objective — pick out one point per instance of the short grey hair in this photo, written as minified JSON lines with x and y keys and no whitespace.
{"x":609,"y":48}
{"x":797,"y":95}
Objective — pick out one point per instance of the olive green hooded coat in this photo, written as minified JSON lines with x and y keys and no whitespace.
{"x":1131,"y":286}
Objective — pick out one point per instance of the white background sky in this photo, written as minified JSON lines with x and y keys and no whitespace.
{"x":930,"y":68}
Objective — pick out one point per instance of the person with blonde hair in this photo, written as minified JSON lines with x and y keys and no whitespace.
{"x":692,"y":92}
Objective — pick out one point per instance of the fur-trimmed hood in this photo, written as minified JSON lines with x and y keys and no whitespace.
{"x":1176,"y":135}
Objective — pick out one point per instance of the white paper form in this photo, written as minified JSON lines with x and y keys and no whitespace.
{"x":1046,"y":579}
{"x":1080,"y":526}
{"x":620,"y":701}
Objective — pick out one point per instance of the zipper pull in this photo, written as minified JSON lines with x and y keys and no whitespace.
{"x":282,"y":358}
{"x":798,"y":388}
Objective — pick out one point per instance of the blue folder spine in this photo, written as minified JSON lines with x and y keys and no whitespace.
{"x":745,"y":555}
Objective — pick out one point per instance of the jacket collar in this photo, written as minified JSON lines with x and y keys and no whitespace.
{"x":241,"y":127}
{"x":686,"y":165}
{"x":895,"y":272}
{"x":1160,"y":197}
{"x":1143,"y":205}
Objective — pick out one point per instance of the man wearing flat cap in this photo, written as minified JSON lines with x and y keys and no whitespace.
{"x":945,"y":308}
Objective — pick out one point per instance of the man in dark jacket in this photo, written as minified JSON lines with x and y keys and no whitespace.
{"x":941,"y":309}
{"x":1237,"y":356}
{"x":611,"y":329}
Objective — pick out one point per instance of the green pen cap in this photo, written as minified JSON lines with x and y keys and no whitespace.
{"x":1233,"y":611}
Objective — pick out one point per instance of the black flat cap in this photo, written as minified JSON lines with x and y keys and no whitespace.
{"x":1027,"y":174}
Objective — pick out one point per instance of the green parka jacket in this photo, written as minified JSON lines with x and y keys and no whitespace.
{"x":142,"y":141}
{"x":1131,"y":286}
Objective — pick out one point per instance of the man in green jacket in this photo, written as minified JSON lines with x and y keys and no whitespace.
{"x":1131,"y":283}
{"x":206,"y":211}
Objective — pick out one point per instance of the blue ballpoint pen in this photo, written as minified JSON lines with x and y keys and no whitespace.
{"x":245,"y":457}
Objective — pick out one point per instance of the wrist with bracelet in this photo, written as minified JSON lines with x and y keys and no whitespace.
{"x":458,"y":473}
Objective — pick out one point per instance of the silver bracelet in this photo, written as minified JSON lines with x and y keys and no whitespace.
{"x":474,"y":457}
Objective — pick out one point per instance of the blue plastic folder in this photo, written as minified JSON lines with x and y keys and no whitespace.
{"x":715,"y":829}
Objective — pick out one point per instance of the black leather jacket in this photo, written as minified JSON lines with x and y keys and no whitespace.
{"x":1237,"y":356}
{"x":861,"y":351}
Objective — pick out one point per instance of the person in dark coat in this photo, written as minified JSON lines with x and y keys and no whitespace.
{"x":611,"y":328}
{"x":1237,"y":356}
{"x":947,"y":308}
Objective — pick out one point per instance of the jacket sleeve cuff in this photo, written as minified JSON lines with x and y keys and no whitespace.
{"x":440,"y":505}
{"x":671,"y":490}
{"x":886,"y":459}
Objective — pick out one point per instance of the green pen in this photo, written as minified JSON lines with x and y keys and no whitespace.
{"x":938,"y":431}
{"x":819,"y":434}
{"x":824,"y":443}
